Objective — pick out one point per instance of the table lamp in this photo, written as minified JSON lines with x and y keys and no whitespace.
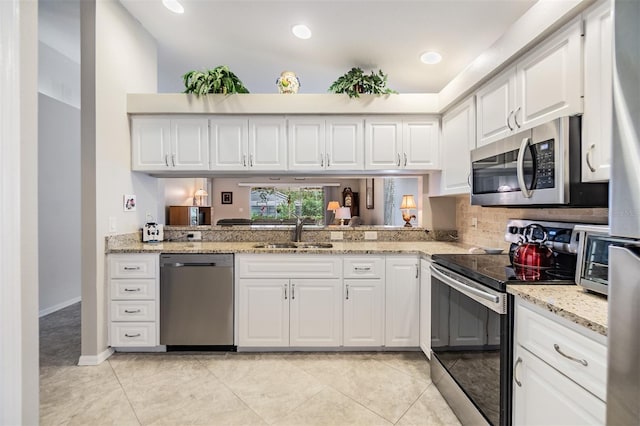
{"x":333,"y":206}
{"x":343,"y":213}
{"x":408,"y":203}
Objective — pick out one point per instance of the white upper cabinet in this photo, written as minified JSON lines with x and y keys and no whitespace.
{"x":458,"y":139}
{"x":248,"y":144}
{"x":598,"y":97}
{"x":396,"y":143}
{"x":163,"y":144}
{"x":543,"y":85}
{"x":319,"y":143}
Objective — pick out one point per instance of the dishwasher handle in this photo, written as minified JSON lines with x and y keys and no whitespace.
{"x":179,"y":264}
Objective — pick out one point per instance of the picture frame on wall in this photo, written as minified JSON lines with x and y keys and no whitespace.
{"x":227,"y":197}
{"x":369,"y":193}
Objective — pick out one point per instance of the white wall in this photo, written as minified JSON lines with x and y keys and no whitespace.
{"x":58,"y":204}
{"x":125,"y":62}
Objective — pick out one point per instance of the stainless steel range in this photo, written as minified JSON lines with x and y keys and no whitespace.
{"x":472,"y":317}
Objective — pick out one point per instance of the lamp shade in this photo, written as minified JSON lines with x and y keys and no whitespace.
{"x":333,"y":206}
{"x":343,"y":213}
{"x":408,"y":202}
{"x":201,"y":193}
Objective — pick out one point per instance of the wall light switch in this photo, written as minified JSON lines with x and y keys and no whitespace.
{"x":194,"y":236}
{"x":370,"y":235}
{"x":337,"y":235}
{"x":112,"y":224}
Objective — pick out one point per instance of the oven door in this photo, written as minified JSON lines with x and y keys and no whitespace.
{"x":471,"y":347}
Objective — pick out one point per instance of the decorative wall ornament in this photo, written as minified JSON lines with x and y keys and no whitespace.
{"x":288,"y":82}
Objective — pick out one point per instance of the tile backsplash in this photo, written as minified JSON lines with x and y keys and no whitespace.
{"x":492,"y":220}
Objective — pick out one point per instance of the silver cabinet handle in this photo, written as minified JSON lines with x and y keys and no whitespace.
{"x":526,"y":192}
{"x":398,"y":163}
{"x":131,"y":268}
{"x":515,"y":117}
{"x":593,"y":169}
{"x":293,"y":292}
{"x":250,"y":160}
{"x":173,"y":159}
{"x":508,"y":122}
{"x":515,"y":372}
{"x":321,"y":159}
{"x":126,"y":311}
{"x":579,"y":361}
{"x":132,"y":289}
{"x":328,"y":162}
{"x":347,"y":286}
{"x":244,"y":160}
{"x":132,"y":335}
{"x":166,"y":159}
{"x":417,"y":271}
{"x":285,"y":291}
{"x":405,"y":159}
{"x":359,"y":268}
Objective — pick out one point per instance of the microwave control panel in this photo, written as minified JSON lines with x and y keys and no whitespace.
{"x":545,"y":164}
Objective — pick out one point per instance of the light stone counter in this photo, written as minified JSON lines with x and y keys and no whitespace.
{"x":426,"y":248}
{"x":568,"y":301}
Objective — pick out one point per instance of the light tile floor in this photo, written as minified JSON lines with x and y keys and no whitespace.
{"x":209,"y":388}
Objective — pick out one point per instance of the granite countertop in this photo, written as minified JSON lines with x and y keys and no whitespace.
{"x":339,"y":247}
{"x":567,"y":301}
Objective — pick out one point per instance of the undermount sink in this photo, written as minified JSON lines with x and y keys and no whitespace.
{"x":293,"y":245}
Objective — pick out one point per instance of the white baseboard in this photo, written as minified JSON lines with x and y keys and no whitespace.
{"x":59,"y":306}
{"x":95,"y":359}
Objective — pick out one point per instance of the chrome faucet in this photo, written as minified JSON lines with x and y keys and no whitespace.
{"x":298,"y":231}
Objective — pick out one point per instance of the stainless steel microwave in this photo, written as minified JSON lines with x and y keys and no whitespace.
{"x":536,"y":167}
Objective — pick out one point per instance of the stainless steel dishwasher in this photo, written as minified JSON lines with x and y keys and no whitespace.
{"x":196,"y":300}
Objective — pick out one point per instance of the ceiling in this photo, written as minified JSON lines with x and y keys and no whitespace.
{"x":253,"y":37}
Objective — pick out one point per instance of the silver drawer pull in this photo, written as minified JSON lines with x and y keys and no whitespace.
{"x":368,"y":268}
{"x":132,"y":335}
{"x":131,"y":312}
{"x":579,"y":361}
{"x":131,"y":268}
{"x":132,"y":289}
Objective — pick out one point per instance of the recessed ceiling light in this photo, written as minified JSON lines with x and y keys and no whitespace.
{"x":431,"y":58}
{"x":173,"y":5}
{"x":301,"y":31}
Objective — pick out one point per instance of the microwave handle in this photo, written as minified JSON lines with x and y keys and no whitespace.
{"x":520,"y":170}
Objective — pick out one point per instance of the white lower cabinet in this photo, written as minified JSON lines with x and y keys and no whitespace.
{"x":263,"y":312}
{"x":402,"y":310}
{"x":364,"y":312}
{"x":133,"y":304}
{"x":559,"y":374}
{"x":315,"y":312}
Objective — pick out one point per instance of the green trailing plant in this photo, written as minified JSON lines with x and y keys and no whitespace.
{"x":217,"y":80}
{"x":355,"y":82}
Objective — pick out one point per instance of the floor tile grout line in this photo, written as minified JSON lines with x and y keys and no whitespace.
{"x":232,"y":391}
{"x":126,"y":395}
{"x":412,"y":404}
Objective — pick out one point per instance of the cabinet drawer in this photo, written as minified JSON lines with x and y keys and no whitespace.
{"x":133,"y":266}
{"x":133,"y":334}
{"x":363,"y":267}
{"x":283,"y":266}
{"x":125,"y":310}
{"x":133,"y":289}
{"x":549,"y":340}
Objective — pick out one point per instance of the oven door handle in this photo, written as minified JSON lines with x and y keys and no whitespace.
{"x":520,"y":170}
{"x":460,"y":286}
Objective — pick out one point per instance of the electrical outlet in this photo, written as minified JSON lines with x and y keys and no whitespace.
{"x":474,"y":222}
{"x":337,"y":235}
{"x":370,"y":235}
{"x":112,"y":224}
{"x":194,"y":236}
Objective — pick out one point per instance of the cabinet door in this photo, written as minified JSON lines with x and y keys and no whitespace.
{"x":598,"y":97}
{"x":306,"y":143}
{"x":425,"y":307}
{"x":344,"y":144}
{"x":546,"y":397}
{"x":495,"y":107}
{"x":549,"y":80}
{"x":420,"y":144}
{"x":363,"y":312}
{"x":402,"y":299}
{"x":150,"y":143}
{"x":316,"y":312}
{"x":190,"y":144}
{"x":267,"y":144}
{"x":382,"y":144}
{"x":263,"y":317}
{"x":229,"y":138}
{"x":458,"y":139}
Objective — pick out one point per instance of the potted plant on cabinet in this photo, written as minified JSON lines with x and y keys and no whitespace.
{"x":217,"y":80}
{"x":355,"y":82}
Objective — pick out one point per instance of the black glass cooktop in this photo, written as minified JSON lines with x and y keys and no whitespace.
{"x":496,"y":271}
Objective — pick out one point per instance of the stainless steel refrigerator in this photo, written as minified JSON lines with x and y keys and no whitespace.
{"x":623,"y":386}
